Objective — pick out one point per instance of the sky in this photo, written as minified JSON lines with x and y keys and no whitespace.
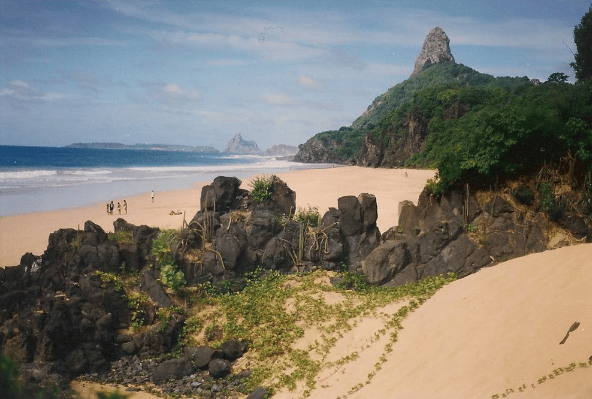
{"x":199,"y":72}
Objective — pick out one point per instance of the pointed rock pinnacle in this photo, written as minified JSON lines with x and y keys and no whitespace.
{"x":436,"y":49}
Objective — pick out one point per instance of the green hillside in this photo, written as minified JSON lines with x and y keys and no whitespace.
{"x":389,"y":106}
{"x":507,"y":125}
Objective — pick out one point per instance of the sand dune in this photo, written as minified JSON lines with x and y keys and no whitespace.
{"x":496,"y":332}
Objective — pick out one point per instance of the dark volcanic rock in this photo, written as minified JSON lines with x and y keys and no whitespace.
{"x":150,"y":285}
{"x":219,"y":368}
{"x":173,"y":369}
{"x":222,"y":195}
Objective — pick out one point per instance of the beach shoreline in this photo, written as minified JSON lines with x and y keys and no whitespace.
{"x":318,"y":188}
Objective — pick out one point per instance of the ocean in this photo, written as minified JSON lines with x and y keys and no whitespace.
{"x":35,"y":179}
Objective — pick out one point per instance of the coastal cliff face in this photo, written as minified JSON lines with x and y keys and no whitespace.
{"x":435,"y":50}
{"x":316,"y":150}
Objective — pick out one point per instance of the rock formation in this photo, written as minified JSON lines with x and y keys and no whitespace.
{"x":436,"y":49}
{"x":282,"y":150}
{"x":239,"y":146}
{"x":316,"y":150}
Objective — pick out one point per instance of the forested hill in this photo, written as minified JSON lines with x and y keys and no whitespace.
{"x":389,"y":108}
{"x":466,"y":124}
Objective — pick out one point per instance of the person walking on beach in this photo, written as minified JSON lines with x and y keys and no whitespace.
{"x":119,"y":207}
{"x":108,"y":209}
{"x":111,"y":207}
{"x":125,"y":206}
{"x":152,"y":195}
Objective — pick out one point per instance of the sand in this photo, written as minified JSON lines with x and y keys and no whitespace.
{"x":314,"y":187}
{"x":493,"y":334}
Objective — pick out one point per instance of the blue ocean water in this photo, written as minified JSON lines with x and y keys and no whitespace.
{"x":34,"y":179}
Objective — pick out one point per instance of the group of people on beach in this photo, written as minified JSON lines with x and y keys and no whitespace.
{"x":111,"y":207}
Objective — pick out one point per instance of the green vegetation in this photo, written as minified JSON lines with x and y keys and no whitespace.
{"x":122,"y":237}
{"x":261,"y":188}
{"x":507,"y":132}
{"x":170,"y":275}
{"x":389,"y":109}
{"x":309,"y":217}
{"x":11,"y":387}
{"x":273,"y":310}
{"x":583,"y":39}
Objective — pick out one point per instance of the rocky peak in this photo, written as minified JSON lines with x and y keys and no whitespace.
{"x":436,"y":49}
{"x":238,"y":145}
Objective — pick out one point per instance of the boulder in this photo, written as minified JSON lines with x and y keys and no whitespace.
{"x":259,"y":393}
{"x":151,"y":286}
{"x":219,"y":368}
{"x":173,"y":369}
{"x":222,"y":195}
{"x":201,"y":356}
{"x":350,"y":215}
{"x":233,"y":349}
{"x":283,"y":198}
{"x":388,"y":259}
{"x":261,"y":228}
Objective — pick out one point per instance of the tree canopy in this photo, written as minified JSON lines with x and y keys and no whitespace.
{"x":583,"y":39}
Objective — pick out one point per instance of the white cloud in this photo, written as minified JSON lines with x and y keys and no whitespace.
{"x":22,"y":91}
{"x":277,"y":99}
{"x":311,"y":84}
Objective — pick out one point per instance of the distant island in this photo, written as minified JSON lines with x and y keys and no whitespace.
{"x":235,"y":146}
{"x":152,"y":147}
{"x":238,"y":145}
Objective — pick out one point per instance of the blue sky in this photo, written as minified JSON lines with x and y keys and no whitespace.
{"x":278,"y":72}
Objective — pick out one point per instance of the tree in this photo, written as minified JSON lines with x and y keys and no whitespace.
{"x":583,"y":39}
{"x":558,"y":77}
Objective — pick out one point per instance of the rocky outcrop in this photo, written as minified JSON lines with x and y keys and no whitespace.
{"x":455,"y":234}
{"x":57,"y":316}
{"x":234,"y":239}
{"x":319,"y":150}
{"x":435,"y":50}
{"x":399,"y":143}
{"x":239,"y":146}
{"x":282,"y":150}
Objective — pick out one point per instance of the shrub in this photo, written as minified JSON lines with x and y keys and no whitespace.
{"x":170,"y":275}
{"x":309,"y":217}
{"x":261,"y":188}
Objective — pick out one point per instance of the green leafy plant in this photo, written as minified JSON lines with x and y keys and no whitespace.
{"x":170,"y":275}
{"x":137,"y":303}
{"x":110,"y":278}
{"x":261,"y":188}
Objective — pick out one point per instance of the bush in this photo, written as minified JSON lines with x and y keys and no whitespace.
{"x":170,"y":275}
{"x":261,"y":188}
{"x":308,"y":217}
